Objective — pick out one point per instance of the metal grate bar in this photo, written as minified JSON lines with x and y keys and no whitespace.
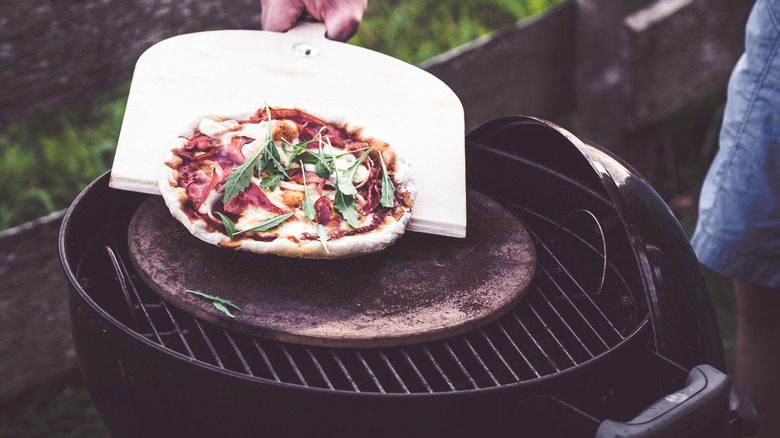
{"x":416,"y":370}
{"x":121,"y":276}
{"x":565,"y":322}
{"x":292,"y":363}
{"x":438,"y":367}
{"x":498,"y":354}
{"x":176,"y":327}
{"x":558,"y":263}
{"x":370,"y":372}
{"x":209,"y":344}
{"x":318,"y":366}
{"x":533,"y":339}
{"x":237,"y":350}
{"x":267,"y":362}
{"x":124,"y":277}
{"x":344,"y":370}
{"x":460,"y":364}
{"x":517,"y":348}
{"x":478,"y":358}
{"x":549,"y":331}
{"x":392,"y":369}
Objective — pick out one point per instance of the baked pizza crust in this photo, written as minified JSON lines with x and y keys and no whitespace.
{"x":375,"y":240}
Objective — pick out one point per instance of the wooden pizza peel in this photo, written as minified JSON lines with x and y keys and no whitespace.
{"x":229,"y":72}
{"x":423,"y":288}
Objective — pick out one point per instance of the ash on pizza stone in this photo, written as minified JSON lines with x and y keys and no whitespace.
{"x":422,"y":288}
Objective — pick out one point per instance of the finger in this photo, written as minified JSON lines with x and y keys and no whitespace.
{"x":341,"y":23}
{"x":279,"y":16}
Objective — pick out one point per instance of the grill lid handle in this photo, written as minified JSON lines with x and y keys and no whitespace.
{"x":708,"y":392}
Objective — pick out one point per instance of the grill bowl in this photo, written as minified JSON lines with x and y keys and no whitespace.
{"x":562,"y":360}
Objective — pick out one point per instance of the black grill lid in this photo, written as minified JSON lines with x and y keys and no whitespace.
{"x":666,"y":267}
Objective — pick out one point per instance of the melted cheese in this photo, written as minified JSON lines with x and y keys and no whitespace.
{"x":213,"y":128}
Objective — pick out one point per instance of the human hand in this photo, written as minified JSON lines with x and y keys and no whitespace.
{"x":341,"y":17}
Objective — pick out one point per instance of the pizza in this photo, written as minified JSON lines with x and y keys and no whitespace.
{"x":283,"y":181}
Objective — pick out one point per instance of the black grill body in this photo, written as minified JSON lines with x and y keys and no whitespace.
{"x":617,"y":316}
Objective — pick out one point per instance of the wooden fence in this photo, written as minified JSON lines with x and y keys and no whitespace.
{"x":615,"y":67}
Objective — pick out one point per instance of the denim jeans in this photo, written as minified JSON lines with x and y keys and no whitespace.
{"x":738,"y":229}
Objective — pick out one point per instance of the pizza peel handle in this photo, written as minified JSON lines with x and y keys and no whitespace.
{"x":232,"y":73}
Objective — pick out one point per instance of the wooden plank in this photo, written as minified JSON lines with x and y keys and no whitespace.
{"x":35,"y":342}
{"x":54,"y":53}
{"x":677,"y":52}
{"x":523,"y":69}
{"x":600,"y":92}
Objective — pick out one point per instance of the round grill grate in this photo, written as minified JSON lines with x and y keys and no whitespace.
{"x":579,"y":307}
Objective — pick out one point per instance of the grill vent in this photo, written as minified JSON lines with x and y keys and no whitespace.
{"x":579,"y":307}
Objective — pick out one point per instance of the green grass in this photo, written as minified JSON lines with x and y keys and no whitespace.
{"x":61,"y":409}
{"x":418,"y":30}
{"x":45,"y":162}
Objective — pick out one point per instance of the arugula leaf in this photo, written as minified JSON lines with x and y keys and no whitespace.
{"x":265,"y":225}
{"x":240,"y":178}
{"x":302,"y":155}
{"x":323,"y":166}
{"x":230,"y":227}
{"x":322,"y":169}
{"x":272,"y":161}
{"x":270,"y":182}
{"x":308,"y":205}
{"x":323,"y":236}
{"x":388,"y":189}
{"x":222,"y":308}
{"x":219,"y":303}
{"x":346,"y":183}
{"x":345,"y":204}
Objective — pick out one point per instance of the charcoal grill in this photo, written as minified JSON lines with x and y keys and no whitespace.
{"x":616,"y":337}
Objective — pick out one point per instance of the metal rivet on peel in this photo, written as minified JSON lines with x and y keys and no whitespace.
{"x":306,"y":50}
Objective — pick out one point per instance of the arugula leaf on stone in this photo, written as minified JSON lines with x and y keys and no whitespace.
{"x":220,"y":303}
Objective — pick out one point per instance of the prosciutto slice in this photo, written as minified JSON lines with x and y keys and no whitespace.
{"x":255,"y":196}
